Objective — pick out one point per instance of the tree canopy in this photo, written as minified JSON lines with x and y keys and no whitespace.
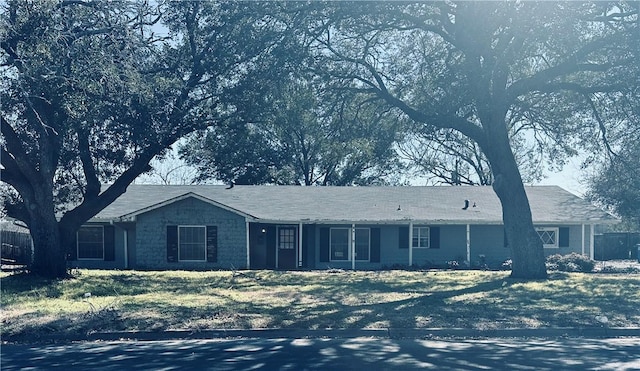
{"x":93,"y":90}
{"x":301,"y":133}
{"x":617,"y":185}
{"x":616,"y":182}
{"x":548,"y":73}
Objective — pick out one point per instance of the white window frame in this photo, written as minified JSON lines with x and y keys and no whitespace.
{"x":556,"y":230}
{"x":204,"y":256}
{"x":417,"y":234}
{"x":78,"y":242}
{"x":348,"y":257}
{"x":349,"y":245}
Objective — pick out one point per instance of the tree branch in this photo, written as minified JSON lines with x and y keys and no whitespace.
{"x":16,"y":152}
{"x":93,"y":183}
{"x":539,"y":80}
{"x":601,"y":125}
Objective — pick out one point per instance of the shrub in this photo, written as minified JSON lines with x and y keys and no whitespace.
{"x":506,"y":265}
{"x":453,"y":264}
{"x":570,"y":263}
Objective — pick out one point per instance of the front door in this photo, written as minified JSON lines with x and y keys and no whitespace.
{"x":287,"y":247}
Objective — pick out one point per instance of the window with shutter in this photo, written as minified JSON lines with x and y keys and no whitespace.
{"x":90,"y":242}
{"x":549,"y":237}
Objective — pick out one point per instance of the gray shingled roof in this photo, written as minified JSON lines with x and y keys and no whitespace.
{"x":550,"y":204}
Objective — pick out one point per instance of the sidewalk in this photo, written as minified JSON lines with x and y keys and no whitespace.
{"x":388,"y":333}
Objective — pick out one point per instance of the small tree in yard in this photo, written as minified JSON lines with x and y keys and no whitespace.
{"x":555,"y":71}
{"x":617,"y":184}
{"x":92,"y":91}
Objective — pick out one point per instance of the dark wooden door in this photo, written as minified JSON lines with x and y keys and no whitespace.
{"x":287,"y":246}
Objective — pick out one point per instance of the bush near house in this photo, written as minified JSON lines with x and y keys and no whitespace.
{"x":570,"y":263}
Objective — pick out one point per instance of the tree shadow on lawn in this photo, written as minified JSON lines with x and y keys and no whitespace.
{"x":499,"y":303}
{"x":400,"y":313}
{"x":120,"y":284}
{"x":336,"y":302}
{"x":339,"y":302}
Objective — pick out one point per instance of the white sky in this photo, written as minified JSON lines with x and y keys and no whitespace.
{"x":571,"y":178}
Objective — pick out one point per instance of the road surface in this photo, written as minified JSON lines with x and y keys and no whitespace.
{"x":328,"y":354}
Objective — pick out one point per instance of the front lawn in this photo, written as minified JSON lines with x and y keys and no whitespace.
{"x":124,"y":300}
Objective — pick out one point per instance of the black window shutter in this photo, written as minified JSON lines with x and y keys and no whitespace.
{"x":72,"y":249}
{"x":504,"y":238}
{"x":434,"y":236}
{"x":172,"y":243}
{"x":271,"y":246}
{"x":563,"y":238}
{"x":403,"y":237}
{"x":375,"y":245}
{"x":109,"y":243}
{"x":324,"y":244}
{"x":212,"y":244}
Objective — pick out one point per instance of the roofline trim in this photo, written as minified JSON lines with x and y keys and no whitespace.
{"x":424,"y":222}
{"x":133,"y":215}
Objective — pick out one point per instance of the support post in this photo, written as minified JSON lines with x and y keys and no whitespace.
{"x":469,"y":244}
{"x":126,"y":248}
{"x":300,"y":245}
{"x":248,"y":245}
{"x":410,"y":244}
{"x":353,"y":247}
{"x":582,"y":235}
{"x":591,"y":235}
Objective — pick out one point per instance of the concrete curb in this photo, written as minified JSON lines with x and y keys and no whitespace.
{"x":388,"y":333}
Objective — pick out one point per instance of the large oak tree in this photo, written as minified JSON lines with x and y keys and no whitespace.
{"x":481,"y":68}
{"x":93,"y":90}
{"x":303,"y":132}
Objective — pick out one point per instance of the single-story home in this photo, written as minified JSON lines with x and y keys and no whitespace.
{"x":204,"y":227}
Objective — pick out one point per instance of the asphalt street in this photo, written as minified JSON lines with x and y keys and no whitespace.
{"x":329,"y":354}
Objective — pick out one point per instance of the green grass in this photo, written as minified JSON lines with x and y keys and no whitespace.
{"x":125,"y":300}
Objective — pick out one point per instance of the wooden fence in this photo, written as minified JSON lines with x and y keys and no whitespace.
{"x":610,"y":246}
{"x":16,"y":247}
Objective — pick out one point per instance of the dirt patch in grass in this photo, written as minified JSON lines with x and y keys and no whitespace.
{"x":155,"y":301}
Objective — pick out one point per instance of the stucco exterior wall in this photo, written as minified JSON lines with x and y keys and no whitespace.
{"x":147,"y":242}
{"x":390,"y":254}
{"x":486,"y":243}
{"x":151,"y":235}
{"x":453,"y":246}
{"x":489,"y":241}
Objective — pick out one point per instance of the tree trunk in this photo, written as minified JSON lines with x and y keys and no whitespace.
{"x":527,"y":253}
{"x":49,"y":254}
{"x":49,"y":258}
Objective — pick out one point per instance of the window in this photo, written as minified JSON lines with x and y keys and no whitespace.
{"x":90,"y":241}
{"x":549,"y":237}
{"x":363,"y":239}
{"x":340,"y":244}
{"x":192,"y":243}
{"x":287,"y":238}
{"x":421,"y":238}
